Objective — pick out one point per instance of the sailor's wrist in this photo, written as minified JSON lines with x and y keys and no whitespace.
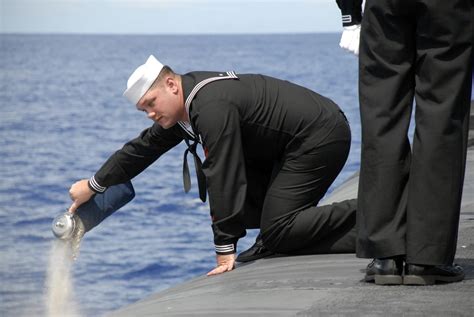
{"x":352,"y":27}
{"x":95,"y":186}
{"x":225,"y":249}
{"x":350,"y":20}
{"x":347,"y":20}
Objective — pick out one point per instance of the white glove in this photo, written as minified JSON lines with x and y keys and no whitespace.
{"x":350,"y":38}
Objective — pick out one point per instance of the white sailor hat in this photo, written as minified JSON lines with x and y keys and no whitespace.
{"x":142,"y":78}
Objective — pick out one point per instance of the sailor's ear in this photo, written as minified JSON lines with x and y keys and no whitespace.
{"x":172,"y":84}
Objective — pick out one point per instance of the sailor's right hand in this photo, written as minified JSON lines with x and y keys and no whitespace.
{"x":79,"y":193}
{"x":350,"y":39}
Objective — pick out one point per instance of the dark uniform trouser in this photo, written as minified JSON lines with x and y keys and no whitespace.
{"x":409,"y":199}
{"x":290,"y":223}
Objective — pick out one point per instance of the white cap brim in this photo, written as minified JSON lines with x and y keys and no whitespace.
{"x":142,"y":78}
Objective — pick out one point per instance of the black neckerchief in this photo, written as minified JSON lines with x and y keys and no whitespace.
{"x":188,"y":82}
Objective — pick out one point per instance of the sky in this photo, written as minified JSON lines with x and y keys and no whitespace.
{"x":169,"y":16}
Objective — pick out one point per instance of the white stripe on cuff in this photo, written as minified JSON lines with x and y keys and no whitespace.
{"x":96,"y":185}
{"x":225,"y":248}
{"x":346,"y":18}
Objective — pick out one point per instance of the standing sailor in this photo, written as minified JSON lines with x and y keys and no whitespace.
{"x":410,"y":196}
{"x":272,"y":150}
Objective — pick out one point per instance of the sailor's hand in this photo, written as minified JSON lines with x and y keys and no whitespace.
{"x":225,"y":263}
{"x":350,"y":38}
{"x":79,"y":193}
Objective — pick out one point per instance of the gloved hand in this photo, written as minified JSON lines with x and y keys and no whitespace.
{"x":351,"y":13}
{"x":350,"y":38}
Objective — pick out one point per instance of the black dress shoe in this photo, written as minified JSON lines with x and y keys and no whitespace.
{"x":255,"y":252}
{"x":430,"y":274}
{"x":385,"y":271}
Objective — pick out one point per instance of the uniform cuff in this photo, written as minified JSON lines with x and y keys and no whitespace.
{"x":347,"y":20}
{"x":226,"y":249}
{"x":94,"y":186}
{"x":350,"y":19}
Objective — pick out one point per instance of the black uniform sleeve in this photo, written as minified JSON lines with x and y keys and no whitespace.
{"x":351,"y":11}
{"x":135,"y":156}
{"x":219,"y":124}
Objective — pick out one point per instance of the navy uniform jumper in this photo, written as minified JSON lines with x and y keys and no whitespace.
{"x":273,"y":149}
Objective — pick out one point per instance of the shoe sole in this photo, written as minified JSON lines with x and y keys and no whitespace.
{"x":430,"y":279}
{"x":385,"y":279}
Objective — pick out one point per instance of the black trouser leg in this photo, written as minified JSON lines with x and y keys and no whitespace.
{"x":443,"y":88}
{"x":258,"y":179}
{"x":386,"y":88}
{"x":410,"y":204}
{"x":290,"y":221}
{"x":336,"y":226}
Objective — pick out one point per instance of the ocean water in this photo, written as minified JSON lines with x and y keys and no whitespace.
{"x":62,"y":114}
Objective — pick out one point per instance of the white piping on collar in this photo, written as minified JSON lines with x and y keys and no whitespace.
{"x":192,"y":94}
{"x":187,"y":126}
{"x":188,"y":129}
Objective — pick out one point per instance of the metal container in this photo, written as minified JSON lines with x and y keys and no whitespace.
{"x":90,"y":214}
{"x":64,"y":226}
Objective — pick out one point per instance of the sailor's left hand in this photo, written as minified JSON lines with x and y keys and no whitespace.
{"x":225,"y":263}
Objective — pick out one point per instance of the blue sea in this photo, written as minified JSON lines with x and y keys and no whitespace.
{"x":62,"y":114}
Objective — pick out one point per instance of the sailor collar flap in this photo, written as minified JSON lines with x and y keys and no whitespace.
{"x":187,"y":127}
{"x":195,"y":137}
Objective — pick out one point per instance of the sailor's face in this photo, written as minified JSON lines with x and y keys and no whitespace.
{"x":162,"y":105}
